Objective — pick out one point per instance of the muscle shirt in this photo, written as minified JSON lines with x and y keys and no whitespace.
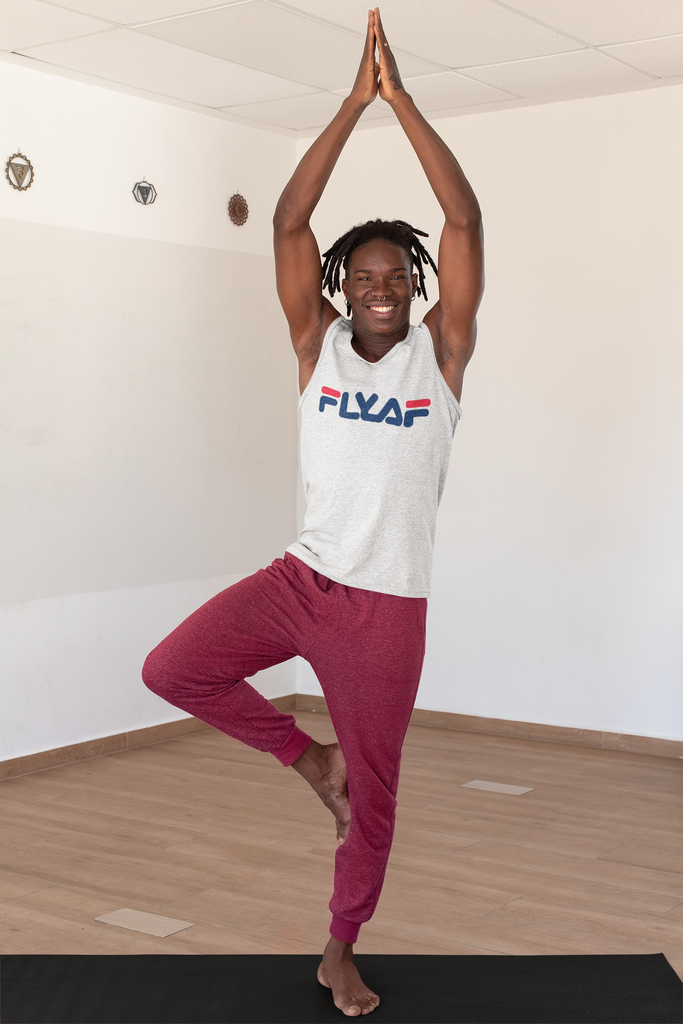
{"x":375,"y":444}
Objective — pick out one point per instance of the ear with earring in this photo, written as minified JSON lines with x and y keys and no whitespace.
{"x":348,"y":309}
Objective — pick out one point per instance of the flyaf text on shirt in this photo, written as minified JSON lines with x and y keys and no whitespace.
{"x":390,"y":412}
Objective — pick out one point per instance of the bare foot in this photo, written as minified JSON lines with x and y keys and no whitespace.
{"x":324,"y":768}
{"x":337,"y":971}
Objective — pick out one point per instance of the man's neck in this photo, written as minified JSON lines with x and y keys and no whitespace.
{"x":373,"y":347}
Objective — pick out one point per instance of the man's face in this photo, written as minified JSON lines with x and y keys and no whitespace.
{"x":380,"y":287}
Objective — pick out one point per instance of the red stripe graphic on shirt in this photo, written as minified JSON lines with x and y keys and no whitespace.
{"x":331,"y":391}
{"x":417,"y":404}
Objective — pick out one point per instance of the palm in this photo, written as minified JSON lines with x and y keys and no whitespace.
{"x":384,"y":93}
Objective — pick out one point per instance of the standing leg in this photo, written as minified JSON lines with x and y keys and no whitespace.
{"x":369,"y":660}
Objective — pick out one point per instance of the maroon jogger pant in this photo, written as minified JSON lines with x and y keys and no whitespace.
{"x":366,"y":649}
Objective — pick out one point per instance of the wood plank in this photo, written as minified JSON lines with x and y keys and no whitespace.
{"x":268,"y":921}
{"x":579,"y":868}
{"x":70,"y":867}
{"x":647,"y":857}
{"x":593,"y":926}
{"x":16,"y":883}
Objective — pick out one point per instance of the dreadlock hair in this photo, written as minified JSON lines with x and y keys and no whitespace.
{"x":399,"y":232}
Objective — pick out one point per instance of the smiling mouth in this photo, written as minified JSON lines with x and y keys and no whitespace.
{"x":382,"y":309}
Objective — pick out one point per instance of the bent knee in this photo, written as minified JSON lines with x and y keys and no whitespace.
{"x":155,"y":674}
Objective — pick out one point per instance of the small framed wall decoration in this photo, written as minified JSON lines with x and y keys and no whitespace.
{"x":144,"y":192}
{"x":238,"y":209}
{"x":19,"y":172}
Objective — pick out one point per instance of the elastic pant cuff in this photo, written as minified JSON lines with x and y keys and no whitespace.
{"x":293,"y":747}
{"x":345,"y":931}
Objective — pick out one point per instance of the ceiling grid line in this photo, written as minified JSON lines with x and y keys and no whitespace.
{"x":587,"y":45}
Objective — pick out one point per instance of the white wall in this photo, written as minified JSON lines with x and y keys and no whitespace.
{"x":147,"y":398}
{"x":557,"y":578}
{"x":89,"y":145}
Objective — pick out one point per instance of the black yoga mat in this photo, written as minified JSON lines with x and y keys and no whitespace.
{"x":271,"y":989}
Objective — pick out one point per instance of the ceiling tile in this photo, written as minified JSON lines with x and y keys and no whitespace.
{"x":607,"y":21}
{"x":457,"y":33}
{"x":130,"y":12}
{"x":303,"y":112}
{"x":124,"y":56}
{"x":30,"y":22}
{"x":661,"y":57}
{"x":449,"y":89}
{"x":267,"y":36}
{"x":582,"y":71}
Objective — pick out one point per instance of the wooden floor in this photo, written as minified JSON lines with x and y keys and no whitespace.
{"x":206,"y":830}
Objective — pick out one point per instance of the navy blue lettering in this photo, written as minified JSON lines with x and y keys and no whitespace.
{"x":366,"y":405}
{"x":412,"y":413}
{"x":390,"y":412}
{"x":343,"y":408}
{"x":392,"y":406}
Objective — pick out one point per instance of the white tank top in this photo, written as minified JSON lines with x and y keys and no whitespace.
{"x":375,"y":444}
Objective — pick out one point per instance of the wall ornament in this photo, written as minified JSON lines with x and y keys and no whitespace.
{"x":19,"y":172}
{"x":238,"y":209}
{"x":144,"y":192}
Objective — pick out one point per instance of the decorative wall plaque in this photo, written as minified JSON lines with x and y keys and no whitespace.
{"x":238,"y":209}
{"x":144,"y":192}
{"x":19,"y":172}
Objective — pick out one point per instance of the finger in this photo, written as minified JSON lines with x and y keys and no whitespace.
{"x":370,"y":46}
{"x":370,"y":34}
{"x":376,"y":27}
{"x":379,"y":29}
{"x":378,"y":36}
{"x":377,"y":41}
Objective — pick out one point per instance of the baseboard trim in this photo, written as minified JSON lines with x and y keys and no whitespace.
{"x":45,"y":759}
{"x":526,"y":730}
{"x":59,"y":756}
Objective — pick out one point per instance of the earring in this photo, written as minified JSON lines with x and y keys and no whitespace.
{"x":348,"y":309}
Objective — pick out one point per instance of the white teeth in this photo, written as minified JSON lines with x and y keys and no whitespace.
{"x":382,"y":309}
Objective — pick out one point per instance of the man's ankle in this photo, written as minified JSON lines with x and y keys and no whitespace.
{"x":338,"y":949}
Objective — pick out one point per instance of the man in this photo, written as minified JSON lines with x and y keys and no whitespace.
{"x":379,"y":404}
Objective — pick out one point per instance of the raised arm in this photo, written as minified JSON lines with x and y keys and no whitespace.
{"x":297,"y":257}
{"x":452,"y":320}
